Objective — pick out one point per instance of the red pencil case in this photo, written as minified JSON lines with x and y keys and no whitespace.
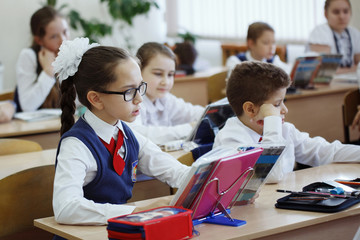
{"x":157,"y":223}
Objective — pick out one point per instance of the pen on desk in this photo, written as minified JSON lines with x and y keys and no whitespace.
{"x":313,"y":193}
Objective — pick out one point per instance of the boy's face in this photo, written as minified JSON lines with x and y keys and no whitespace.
{"x":274,"y":106}
{"x":263,"y":47}
{"x":159,"y":74}
{"x":338,"y":15}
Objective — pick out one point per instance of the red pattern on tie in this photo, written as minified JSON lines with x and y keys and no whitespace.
{"x":260,"y":139}
{"x":118,"y":161}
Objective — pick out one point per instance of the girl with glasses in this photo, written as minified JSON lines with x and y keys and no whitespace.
{"x":98,"y":155}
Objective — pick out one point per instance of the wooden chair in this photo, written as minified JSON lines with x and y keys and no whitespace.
{"x":14,"y":146}
{"x":25,"y":196}
{"x":349,"y":110}
{"x":216,"y":86}
{"x":230,"y":49}
{"x":186,"y":159}
{"x":8,"y":95}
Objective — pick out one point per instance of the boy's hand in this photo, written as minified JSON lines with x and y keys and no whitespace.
{"x":46,"y":57}
{"x":266,"y":110}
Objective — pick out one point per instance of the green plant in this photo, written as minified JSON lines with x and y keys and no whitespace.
{"x":122,"y":10}
{"x":188,"y":36}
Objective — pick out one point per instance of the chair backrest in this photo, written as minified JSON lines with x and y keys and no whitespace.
{"x":216,"y":86}
{"x":230,"y":49}
{"x":8,"y":95}
{"x":351,"y":101}
{"x":14,"y":146}
{"x":25,"y":196}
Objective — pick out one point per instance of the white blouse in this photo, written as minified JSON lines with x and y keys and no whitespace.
{"x":232,"y":61}
{"x":77,"y":167}
{"x":167,"y":119}
{"x":32,"y":89}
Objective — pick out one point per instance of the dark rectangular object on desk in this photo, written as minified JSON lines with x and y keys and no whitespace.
{"x":328,"y":205}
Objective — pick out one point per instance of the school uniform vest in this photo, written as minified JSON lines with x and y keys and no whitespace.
{"x":242,"y":57}
{"x":107,"y":186}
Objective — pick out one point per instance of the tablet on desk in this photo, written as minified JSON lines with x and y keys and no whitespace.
{"x":214,"y":181}
{"x":304,"y":71}
{"x":329,"y":64}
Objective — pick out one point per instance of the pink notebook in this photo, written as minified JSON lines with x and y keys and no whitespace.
{"x":226,"y":177}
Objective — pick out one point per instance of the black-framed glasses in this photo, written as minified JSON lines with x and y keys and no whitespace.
{"x":130,"y":94}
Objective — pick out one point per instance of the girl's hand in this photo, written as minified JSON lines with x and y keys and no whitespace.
{"x":356,"y":120}
{"x":46,"y":57}
{"x":7,"y":111}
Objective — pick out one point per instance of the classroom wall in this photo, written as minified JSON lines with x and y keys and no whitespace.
{"x":15,"y":17}
{"x":15,"y":29}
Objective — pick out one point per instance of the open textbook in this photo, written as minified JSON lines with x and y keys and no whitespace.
{"x":39,"y":115}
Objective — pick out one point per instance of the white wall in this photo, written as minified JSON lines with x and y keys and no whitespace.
{"x":16,"y":34}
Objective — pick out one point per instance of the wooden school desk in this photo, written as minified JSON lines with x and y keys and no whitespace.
{"x":319,"y":111}
{"x":194,"y":88}
{"x":264,"y":221}
{"x":46,"y":133}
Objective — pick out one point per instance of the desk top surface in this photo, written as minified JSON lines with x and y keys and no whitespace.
{"x":202,"y":74}
{"x":336,"y":86}
{"x":263,"y":219}
{"x":20,"y":128}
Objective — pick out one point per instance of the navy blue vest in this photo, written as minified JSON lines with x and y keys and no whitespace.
{"x":107,"y":186}
{"x":242,"y":57}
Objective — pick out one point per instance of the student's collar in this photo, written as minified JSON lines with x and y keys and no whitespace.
{"x":250,"y":58}
{"x":104,"y":130}
{"x":157,"y":105}
{"x":254,"y":135}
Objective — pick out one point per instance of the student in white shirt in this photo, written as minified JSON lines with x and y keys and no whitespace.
{"x":91,"y":185}
{"x":336,"y":36}
{"x":36,"y":84}
{"x":261,"y":47}
{"x":256,"y":92}
{"x":163,"y":116}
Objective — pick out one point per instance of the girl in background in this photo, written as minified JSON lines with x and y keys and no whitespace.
{"x":36,"y":84}
{"x":98,"y":156}
{"x":336,"y":36}
{"x":163,"y":116}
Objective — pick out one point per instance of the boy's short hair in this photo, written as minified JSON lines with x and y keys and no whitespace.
{"x":256,"y":29}
{"x":255,"y":82}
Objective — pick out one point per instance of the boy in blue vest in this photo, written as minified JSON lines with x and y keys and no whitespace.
{"x":261,"y":47}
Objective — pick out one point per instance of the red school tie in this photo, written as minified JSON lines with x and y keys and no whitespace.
{"x":118,"y":161}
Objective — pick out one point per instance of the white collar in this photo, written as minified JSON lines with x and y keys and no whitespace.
{"x":250,"y":58}
{"x":104,"y":130}
{"x":158,"y":105}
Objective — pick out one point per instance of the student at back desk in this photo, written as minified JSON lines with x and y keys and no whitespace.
{"x":163,"y":116}
{"x":336,"y":36}
{"x":36,"y":84}
{"x":261,"y":47}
